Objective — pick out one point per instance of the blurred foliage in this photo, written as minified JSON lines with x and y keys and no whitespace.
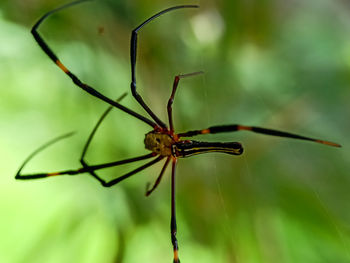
{"x":277,"y":64}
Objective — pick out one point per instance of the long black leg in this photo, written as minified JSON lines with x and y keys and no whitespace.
{"x":173,"y":227}
{"x":237,"y":127}
{"x":74,"y":78}
{"x":133,"y":52}
{"x":172,"y":96}
{"x":86,"y":169}
{"x":41,"y":148}
{"x":159,"y":178}
{"x":125,"y":176}
{"x":87,"y":144}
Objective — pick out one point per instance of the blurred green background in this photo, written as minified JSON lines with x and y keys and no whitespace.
{"x":276,"y":64}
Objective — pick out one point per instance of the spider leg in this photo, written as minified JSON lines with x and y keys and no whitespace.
{"x":127,"y":175}
{"x":87,"y":144}
{"x":85,"y":169}
{"x":88,"y":169}
{"x":133,"y":52}
{"x":172,"y":96}
{"x":150,"y":191}
{"x":73,"y":77}
{"x":173,"y":227}
{"x":237,"y":127}
{"x":41,"y":148}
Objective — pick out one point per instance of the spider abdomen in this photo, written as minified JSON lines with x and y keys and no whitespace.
{"x":188,"y":148}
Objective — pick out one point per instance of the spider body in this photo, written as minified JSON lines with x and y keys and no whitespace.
{"x":162,"y":141}
{"x":165,"y":143}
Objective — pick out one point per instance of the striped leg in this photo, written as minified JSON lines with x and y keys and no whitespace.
{"x":237,"y":127}
{"x":173,"y":226}
{"x":74,"y":78}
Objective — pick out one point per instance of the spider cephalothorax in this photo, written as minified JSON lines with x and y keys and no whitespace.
{"x":159,"y":143}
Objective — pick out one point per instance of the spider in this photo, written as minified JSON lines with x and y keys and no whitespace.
{"x":162,"y":140}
